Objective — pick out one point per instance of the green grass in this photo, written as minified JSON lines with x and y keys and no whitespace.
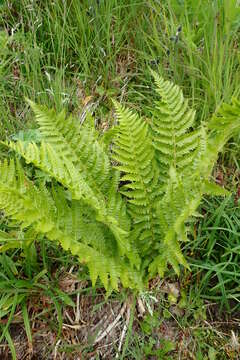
{"x":78,"y":55}
{"x":204,"y":58}
{"x":215,"y":253}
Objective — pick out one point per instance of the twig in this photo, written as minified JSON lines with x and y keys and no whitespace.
{"x":141,"y":307}
{"x":77,"y":313}
{"x":74,"y":327}
{"x":56,"y":349}
{"x":69,"y":317}
{"x":112,"y":325}
{"x":123,"y":334}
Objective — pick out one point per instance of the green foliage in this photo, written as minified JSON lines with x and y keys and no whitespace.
{"x":172,"y":119}
{"x":195,"y":58}
{"x":215,"y":256}
{"x":122,"y":212}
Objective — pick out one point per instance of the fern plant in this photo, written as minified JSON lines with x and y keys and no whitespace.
{"x":122,"y":210}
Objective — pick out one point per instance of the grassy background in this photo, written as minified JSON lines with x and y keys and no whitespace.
{"x":78,"y":55}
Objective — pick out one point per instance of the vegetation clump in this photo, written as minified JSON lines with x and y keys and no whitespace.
{"x":123,"y":212}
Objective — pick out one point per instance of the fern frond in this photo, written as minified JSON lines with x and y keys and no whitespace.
{"x":76,"y":159}
{"x":170,"y":253}
{"x":108,"y":269}
{"x":73,"y":226}
{"x":223,"y":125}
{"x":22,"y":201}
{"x":55,"y":164}
{"x":134,"y":152}
{"x":63,"y":170}
{"x":95,"y":245}
{"x":210,"y":188}
{"x":75,"y":143}
{"x":172,"y":120}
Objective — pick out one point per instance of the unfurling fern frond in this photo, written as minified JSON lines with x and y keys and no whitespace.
{"x":125,"y":219}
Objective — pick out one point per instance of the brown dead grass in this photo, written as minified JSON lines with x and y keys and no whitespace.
{"x":91,"y":317}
